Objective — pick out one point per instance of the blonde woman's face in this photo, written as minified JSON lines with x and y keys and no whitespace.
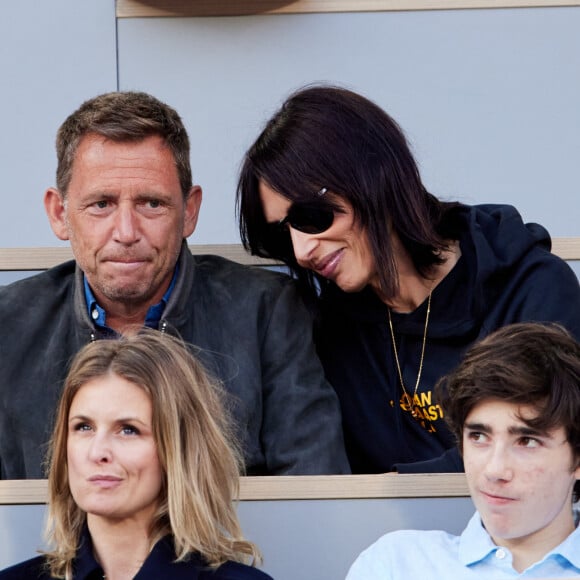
{"x":113,"y":465}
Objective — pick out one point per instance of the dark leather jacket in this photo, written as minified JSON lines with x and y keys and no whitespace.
{"x":252,"y":331}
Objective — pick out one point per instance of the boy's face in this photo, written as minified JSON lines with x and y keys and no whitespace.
{"x":521,"y":481}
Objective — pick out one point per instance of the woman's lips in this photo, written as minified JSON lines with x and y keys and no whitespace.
{"x":328,"y":265}
{"x":105,"y":481}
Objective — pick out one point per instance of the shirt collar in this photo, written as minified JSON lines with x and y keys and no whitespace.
{"x":98,"y":315}
{"x":475,"y":544}
{"x":569,"y":548}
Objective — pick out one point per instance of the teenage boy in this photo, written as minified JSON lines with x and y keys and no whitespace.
{"x":514,"y":405}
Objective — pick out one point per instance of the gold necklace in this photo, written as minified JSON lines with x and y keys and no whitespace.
{"x":411,"y":400}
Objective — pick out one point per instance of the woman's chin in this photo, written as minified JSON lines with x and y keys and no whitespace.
{"x":350,"y":286}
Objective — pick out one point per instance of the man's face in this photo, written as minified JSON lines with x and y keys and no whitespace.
{"x":520,"y":480}
{"x":125,"y":216}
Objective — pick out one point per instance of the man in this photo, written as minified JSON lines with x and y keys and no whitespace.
{"x":125,"y":200}
{"x":514,"y":404}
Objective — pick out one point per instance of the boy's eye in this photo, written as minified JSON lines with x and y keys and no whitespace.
{"x":530,"y":442}
{"x":477,"y":437}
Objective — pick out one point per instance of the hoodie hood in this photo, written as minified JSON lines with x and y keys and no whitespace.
{"x":500,"y":239}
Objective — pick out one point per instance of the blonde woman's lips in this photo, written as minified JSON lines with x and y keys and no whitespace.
{"x":105,"y":481}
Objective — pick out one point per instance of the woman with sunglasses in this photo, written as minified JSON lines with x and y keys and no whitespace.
{"x":143,"y":471}
{"x":405,"y":282}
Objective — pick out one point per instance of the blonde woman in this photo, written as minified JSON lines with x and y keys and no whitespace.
{"x":142,"y":471}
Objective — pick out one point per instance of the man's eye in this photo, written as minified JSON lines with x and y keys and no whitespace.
{"x":148,"y":204}
{"x":101,"y":204}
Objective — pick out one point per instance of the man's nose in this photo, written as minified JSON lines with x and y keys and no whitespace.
{"x":126,"y":224}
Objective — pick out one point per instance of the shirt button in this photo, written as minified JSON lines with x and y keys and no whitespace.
{"x":95,"y":314}
{"x":500,"y":554}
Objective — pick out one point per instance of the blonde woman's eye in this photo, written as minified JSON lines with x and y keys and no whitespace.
{"x":129,"y":430}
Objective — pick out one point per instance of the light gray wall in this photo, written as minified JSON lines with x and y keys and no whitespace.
{"x":53,"y":56}
{"x":489,"y":98}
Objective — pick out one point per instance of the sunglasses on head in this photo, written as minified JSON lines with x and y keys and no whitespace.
{"x":309,"y":218}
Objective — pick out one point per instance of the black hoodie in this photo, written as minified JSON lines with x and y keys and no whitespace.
{"x":505,"y":274}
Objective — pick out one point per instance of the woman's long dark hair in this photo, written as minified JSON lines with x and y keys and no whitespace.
{"x":331,"y":137}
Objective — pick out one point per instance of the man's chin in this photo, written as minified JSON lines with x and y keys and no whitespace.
{"x":128,"y":295}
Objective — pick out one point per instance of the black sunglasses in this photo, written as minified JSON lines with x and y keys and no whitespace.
{"x":309,"y":218}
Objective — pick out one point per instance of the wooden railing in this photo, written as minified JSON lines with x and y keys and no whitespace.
{"x":46,"y":257}
{"x":163,"y":8}
{"x":43,"y":258}
{"x":284,"y":487}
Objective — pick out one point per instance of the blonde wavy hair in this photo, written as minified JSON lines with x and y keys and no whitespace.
{"x":200,"y":460}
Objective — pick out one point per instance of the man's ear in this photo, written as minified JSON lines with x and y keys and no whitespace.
{"x":192,"y":205}
{"x":56,"y":211}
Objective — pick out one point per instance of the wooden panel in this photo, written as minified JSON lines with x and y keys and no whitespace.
{"x":150,"y":8}
{"x":389,"y":485}
{"x":14,"y":259}
{"x":566,"y":248}
{"x":34,"y":491}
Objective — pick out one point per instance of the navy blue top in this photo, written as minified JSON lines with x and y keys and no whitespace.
{"x":158,"y":565}
{"x":505,"y":274}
